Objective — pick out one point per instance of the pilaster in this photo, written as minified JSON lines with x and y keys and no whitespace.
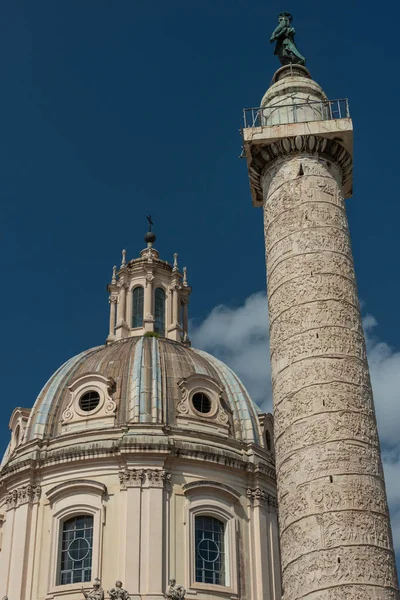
{"x":148,"y":317}
{"x":131,"y":484}
{"x":113,"y":304}
{"x":22,"y":503}
{"x":146,"y":543}
{"x":121,"y":328}
{"x":260,"y":505}
{"x":153,"y":543}
{"x":174,"y":328}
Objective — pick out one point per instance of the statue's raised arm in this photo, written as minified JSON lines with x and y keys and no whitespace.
{"x":285,"y":47}
{"x":96,"y":593}
{"x":175,"y":592}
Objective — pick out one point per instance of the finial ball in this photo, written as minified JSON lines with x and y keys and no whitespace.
{"x":150,"y":237}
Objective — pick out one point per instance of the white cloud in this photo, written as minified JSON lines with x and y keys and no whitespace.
{"x":239,"y":336}
{"x":384,"y":365}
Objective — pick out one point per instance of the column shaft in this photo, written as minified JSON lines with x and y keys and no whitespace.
{"x":175,"y":305}
{"x":16,"y":582}
{"x":334,"y":522}
{"x":152,"y":566}
{"x":185,"y":317}
{"x":122,"y":305}
{"x":112,"y":317}
{"x":133,"y":523}
{"x":148,"y":304}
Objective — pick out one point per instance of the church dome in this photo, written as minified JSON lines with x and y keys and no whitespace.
{"x":143,"y":459}
{"x":143,"y":380}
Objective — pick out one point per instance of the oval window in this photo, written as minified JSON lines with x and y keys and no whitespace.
{"x":201,"y":403}
{"x":89,"y":401}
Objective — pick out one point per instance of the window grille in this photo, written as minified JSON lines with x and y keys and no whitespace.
{"x":89,"y":401}
{"x":76,"y":550}
{"x":137,"y":307}
{"x":210,"y":550}
{"x":159,"y":311}
{"x":202,"y":403}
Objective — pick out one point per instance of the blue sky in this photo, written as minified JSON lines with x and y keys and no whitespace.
{"x":114,"y":110}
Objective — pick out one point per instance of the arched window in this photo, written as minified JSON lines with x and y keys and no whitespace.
{"x":210,"y":550}
{"x":268,"y":440}
{"x":159,"y":311}
{"x":76,"y":550}
{"x":137,"y":307}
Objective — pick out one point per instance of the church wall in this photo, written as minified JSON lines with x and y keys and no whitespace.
{"x":143,"y":528}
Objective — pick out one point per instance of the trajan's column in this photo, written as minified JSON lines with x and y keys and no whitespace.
{"x":335,"y":534}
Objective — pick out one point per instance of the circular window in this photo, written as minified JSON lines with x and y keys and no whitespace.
{"x":78,"y":549}
{"x":201,"y":403}
{"x":89,"y":401}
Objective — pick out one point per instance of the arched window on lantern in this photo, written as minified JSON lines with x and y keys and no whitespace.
{"x":159,"y":311}
{"x":137,"y":307}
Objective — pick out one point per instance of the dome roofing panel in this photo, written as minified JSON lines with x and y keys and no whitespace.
{"x":146,"y":371}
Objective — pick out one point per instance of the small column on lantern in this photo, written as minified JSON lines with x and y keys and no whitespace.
{"x":113,"y":302}
{"x":113,"y":289}
{"x":174,"y":328}
{"x":121,"y":329}
{"x":175,"y":305}
{"x":148,"y":319}
{"x":184,"y":300}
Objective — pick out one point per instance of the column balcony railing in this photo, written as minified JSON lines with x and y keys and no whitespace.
{"x":301,"y":112}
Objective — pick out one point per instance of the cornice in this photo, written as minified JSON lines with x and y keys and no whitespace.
{"x":264,"y":156}
{"x":230,"y":453}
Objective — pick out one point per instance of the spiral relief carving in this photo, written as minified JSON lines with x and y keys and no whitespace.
{"x":334,"y":522}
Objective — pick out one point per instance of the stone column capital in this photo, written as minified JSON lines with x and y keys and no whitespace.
{"x":264,"y":156}
{"x":157,"y":478}
{"x":131,"y":478}
{"x":259,"y":497}
{"x":23,"y":495}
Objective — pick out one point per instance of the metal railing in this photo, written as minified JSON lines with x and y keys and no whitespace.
{"x":296,"y":113}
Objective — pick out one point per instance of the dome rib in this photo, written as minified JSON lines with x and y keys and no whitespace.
{"x":42,"y":416}
{"x":146,"y":371}
{"x":236,"y":389}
